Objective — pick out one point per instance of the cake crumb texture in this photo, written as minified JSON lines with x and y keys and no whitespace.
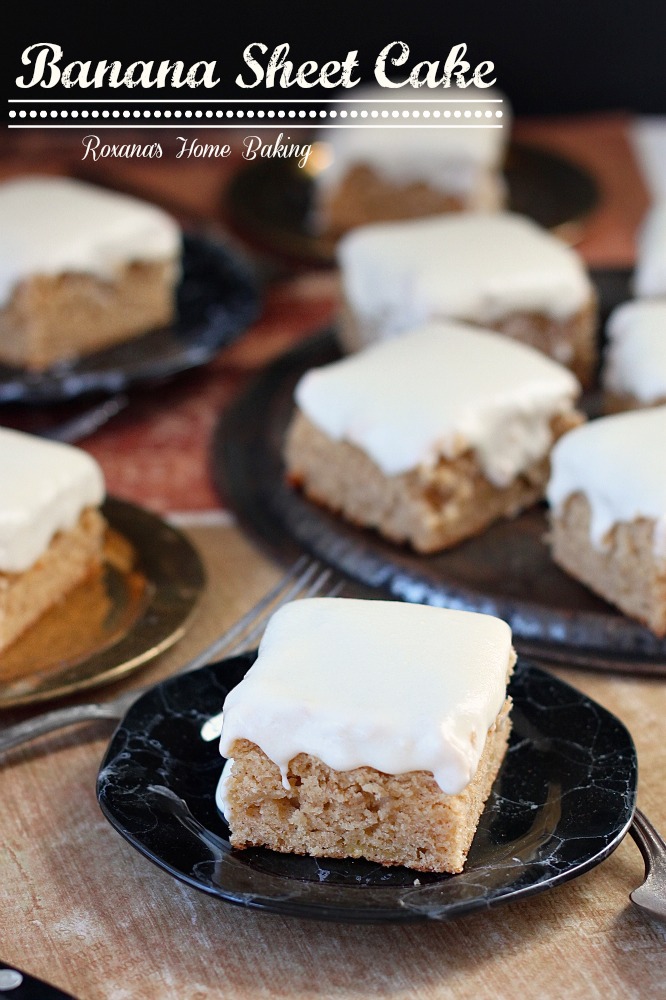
{"x":56,"y":318}
{"x":70,"y":558}
{"x":431,"y":508}
{"x":364,"y":197}
{"x":626,"y":571}
{"x":402,"y":819}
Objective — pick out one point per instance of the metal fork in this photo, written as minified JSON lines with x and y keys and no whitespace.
{"x":306,"y":578}
{"x":651,"y":895}
{"x":86,"y":423}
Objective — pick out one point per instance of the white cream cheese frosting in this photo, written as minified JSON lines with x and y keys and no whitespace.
{"x":635,"y":356}
{"x":56,"y":225}
{"x":440,"y":390}
{"x":479,"y":267}
{"x":650,"y":271}
{"x":397,"y":687}
{"x":448,"y":157}
{"x":44,"y":488}
{"x":619,"y":464}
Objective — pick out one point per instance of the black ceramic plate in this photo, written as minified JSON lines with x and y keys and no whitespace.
{"x":269,"y":203}
{"x":562,"y":802}
{"x":217,"y":299}
{"x":507,"y":571}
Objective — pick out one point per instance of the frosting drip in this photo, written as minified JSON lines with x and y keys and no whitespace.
{"x":56,"y":225}
{"x":441,"y":390}
{"x":474,"y":266}
{"x":619,"y":464}
{"x":397,"y":687}
{"x":650,"y":273}
{"x":635,"y":359}
{"x":449,"y":157}
{"x":44,"y":488}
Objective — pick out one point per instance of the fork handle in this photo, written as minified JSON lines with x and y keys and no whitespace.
{"x":59,"y":718}
{"x":649,"y":842}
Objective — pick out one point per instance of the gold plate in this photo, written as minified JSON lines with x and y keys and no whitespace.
{"x":135,"y":608}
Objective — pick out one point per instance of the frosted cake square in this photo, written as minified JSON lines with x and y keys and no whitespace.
{"x":650,"y":270}
{"x":372,"y":174}
{"x":430,"y":437}
{"x":81,"y":269}
{"x":367,"y":729}
{"x":608,"y":498}
{"x":500,"y":270}
{"x":634,"y":368}
{"x":51,"y":530}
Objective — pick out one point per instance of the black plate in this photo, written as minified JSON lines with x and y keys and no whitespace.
{"x":562,"y":802}
{"x":507,"y":571}
{"x":269,"y":203}
{"x":217,"y":300}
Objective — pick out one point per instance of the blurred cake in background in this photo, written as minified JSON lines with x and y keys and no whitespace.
{"x":378,"y":172}
{"x":634,"y":368}
{"x":497,"y":270}
{"x":51,"y":529}
{"x":430,"y":437}
{"x":650,"y":270}
{"x":607,"y":492}
{"x":81,"y":269}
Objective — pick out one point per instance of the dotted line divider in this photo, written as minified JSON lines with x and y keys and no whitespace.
{"x":290,"y":114}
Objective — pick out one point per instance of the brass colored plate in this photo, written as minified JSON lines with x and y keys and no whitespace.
{"x":269,"y":203}
{"x":135,"y":608}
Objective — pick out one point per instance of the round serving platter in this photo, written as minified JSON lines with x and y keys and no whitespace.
{"x":506,"y":571}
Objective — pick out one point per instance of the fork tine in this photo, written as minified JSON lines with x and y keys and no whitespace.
{"x":303,"y":570}
{"x":306,"y":577}
{"x":314,"y":588}
{"x":318,"y":585}
{"x":212,"y":727}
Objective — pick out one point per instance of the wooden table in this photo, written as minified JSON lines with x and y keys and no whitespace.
{"x":81,"y":908}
